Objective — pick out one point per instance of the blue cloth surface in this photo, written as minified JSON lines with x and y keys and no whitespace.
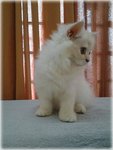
{"x":22,"y":129}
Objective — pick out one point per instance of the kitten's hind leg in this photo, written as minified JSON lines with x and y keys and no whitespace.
{"x":45,"y":108}
{"x":80,"y":108}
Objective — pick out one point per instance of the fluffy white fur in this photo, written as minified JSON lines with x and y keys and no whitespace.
{"x":59,"y":73}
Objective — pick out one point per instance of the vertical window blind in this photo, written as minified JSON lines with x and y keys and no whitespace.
{"x":33,"y":23}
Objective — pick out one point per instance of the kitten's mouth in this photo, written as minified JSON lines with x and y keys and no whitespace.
{"x":78,"y":62}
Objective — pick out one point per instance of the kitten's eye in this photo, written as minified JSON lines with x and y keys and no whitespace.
{"x":89,"y":53}
{"x":83,"y":50}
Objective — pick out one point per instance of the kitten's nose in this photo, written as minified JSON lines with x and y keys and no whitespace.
{"x":87,"y":60}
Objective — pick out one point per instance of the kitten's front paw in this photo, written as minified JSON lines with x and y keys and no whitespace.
{"x":79,"y":108}
{"x":43,"y":112}
{"x":67,"y":117}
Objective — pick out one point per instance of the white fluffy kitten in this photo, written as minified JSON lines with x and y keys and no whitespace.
{"x":59,"y":72}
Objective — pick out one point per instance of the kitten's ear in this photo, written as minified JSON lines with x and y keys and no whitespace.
{"x":75,"y":29}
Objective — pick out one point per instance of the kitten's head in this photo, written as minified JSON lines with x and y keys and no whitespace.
{"x":82,"y":42}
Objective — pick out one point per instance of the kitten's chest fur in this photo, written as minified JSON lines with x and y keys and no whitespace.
{"x":63,"y":81}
